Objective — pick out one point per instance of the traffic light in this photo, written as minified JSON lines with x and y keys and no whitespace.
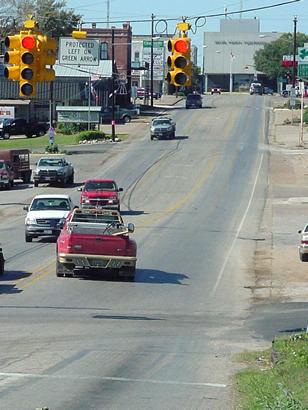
{"x":28,"y":65}
{"x":179,"y":62}
{"x":12,"y":57}
{"x":46,"y":56}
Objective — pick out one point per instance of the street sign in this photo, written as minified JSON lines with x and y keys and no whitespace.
{"x":303,"y":54}
{"x":79,"y":51}
{"x":302,"y":70}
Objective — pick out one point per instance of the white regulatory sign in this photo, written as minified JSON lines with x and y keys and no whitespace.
{"x":75,"y":51}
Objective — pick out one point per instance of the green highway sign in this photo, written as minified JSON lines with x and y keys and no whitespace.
{"x":302,"y":70}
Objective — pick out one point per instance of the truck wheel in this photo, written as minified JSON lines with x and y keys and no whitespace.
{"x":128,"y":273}
{"x":28,"y":238}
{"x":64,"y":182}
{"x":72,"y":179}
{"x":6,"y":135}
{"x":28,"y":135}
{"x":26,"y":177}
{"x":36,"y":183}
{"x":62,"y":271}
{"x":40,"y":133}
{"x":1,"y":263}
{"x":152,"y":137}
{"x":126,"y":118}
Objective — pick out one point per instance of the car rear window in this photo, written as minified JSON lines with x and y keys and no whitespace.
{"x":194,"y":97}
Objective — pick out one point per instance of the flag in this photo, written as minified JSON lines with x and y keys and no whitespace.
{"x":232,"y":56}
{"x":94,"y":93}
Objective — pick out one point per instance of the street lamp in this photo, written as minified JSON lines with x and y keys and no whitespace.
{"x":231,"y":74}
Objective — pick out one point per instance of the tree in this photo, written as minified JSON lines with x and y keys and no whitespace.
{"x":52,"y":16}
{"x":268,"y":60}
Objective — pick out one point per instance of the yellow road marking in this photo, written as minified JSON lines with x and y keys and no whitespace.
{"x":39,"y":274}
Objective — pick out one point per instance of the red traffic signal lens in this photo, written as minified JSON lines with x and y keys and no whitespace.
{"x":27,"y":58}
{"x":28,"y":42}
{"x":26,"y":89}
{"x":181,"y":46}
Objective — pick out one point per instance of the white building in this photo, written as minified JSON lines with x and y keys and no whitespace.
{"x":228,"y":54}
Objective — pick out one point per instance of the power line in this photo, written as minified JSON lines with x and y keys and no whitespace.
{"x":200,"y":16}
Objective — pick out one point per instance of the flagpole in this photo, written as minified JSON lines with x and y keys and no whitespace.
{"x":89,"y":102}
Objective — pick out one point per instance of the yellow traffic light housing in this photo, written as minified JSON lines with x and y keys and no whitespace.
{"x":46,"y":56}
{"x":28,"y":65}
{"x":179,"y":62}
{"x":12,"y":57}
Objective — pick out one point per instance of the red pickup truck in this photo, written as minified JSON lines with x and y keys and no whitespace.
{"x":102,"y":193}
{"x":96,"y":241}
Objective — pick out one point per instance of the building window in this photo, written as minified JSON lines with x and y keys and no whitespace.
{"x":104,"y":51}
{"x":137,"y":56}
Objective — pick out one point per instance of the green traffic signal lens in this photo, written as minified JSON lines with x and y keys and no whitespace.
{"x":180,"y":78}
{"x":180,"y":62}
{"x":27,"y":74}
{"x":27,"y":58}
{"x":26,"y":89}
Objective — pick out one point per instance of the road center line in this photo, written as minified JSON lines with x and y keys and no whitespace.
{"x":116,"y":379}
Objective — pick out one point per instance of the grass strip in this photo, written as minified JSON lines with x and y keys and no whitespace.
{"x":276,"y":378}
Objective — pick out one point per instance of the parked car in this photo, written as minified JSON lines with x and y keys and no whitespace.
{"x":2,"y":260}
{"x":120,"y":114}
{"x":194,"y":101}
{"x":6,"y":175}
{"x":20,"y":126}
{"x":216,"y":90}
{"x":102,"y":193}
{"x":95,"y":241}
{"x":162,"y":127}
{"x":268,"y":91}
{"x":19,"y":159}
{"x":303,"y":246}
{"x":142,"y":92}
{"x":256,"y":88}
{"x":53,"y":170}
{"x":45,"y":214}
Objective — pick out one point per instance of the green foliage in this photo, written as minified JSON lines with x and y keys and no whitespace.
{"x":90,"y":136}
{"x":297,"y":104}
{"x":282,"y":384}
{"x":53,"y":16}
{"x":268,"y":60}
{"x":305,"y":117}
{"x":71,"y":128}
{"x":243,"y":88}
{"x":52,"y":149}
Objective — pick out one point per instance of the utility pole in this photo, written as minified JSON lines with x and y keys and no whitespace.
{"x":294,"y":53}
{"x":112,"y":97}
{"x":152,"y":58}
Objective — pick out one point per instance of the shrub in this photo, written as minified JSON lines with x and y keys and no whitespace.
{"x":297,"y":104}
{"x":243,"y":88}
{"x":71,"y":128}
{"x":90,"y":136}
{"x":52,"y":149}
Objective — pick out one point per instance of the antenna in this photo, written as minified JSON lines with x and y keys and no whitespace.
{"x":108,"y":10}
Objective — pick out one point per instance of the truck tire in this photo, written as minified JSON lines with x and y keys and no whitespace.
{"x":36,"y":183}
{"x":6,"y":135}
{"x":126,"y":118}
{"x":1,"y":262}
{"x":128,"y":273}
{"x":28,"y":135}
{"x":40,"y":133}
{"x":62,"y":271}
{"x":26,"y":177}
{"x":28,"y":238}
{"x":72,"y":179}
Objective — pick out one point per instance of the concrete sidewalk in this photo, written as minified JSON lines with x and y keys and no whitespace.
{"x":279,"y":274}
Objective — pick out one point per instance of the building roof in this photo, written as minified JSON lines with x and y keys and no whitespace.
{"x":103,"y":70}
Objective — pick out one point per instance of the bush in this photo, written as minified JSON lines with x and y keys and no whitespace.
{"x":297,"y":105}
{"x":52,"y":149}
{"x":243,"y":88}
{"x":71,"y":128}
{"x":90,"y":136}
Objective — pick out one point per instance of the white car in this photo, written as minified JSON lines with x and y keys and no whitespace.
{"x":303,"y":247}
{"x":45,"y":214}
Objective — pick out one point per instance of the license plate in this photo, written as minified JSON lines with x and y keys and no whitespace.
{"x":48,"y":231}
{"x":160,"y":134}
{"x":47,"y":178}
{"x":98,"y":263}
{"x":115,"y":264}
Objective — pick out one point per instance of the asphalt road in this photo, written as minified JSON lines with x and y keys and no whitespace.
{"x":165,"y":341}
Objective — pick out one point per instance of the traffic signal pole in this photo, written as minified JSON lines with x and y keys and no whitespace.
{"x":152,"y":58}
{"x":294,"y":53}
{"x":112,"y":98}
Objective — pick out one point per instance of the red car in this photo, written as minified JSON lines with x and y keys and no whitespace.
{"x":100,"y":193}
{"x":96,"y":241}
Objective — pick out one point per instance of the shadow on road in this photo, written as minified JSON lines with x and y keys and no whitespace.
{"x":131,"y":212}
{"x":15,"y":275}
{"x":121,"y":317}
{"x":159,"y":276}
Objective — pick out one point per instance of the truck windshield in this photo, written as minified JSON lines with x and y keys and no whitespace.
{"x":100,"y":186}
{"x":2,"y":165}
{"x":41,"y":204}
{"x":161,"y":122}
{"x":50,"y":162}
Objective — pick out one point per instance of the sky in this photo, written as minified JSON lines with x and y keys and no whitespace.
{"x":278,"y":19}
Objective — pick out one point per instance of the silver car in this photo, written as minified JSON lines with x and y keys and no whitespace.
{"x":303,"y":247}
{"x":162,"y":127}
{"x":53,"y":170}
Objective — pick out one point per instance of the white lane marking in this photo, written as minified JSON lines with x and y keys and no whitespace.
{"x":222,"y":270}
{"x":116,"y":379}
